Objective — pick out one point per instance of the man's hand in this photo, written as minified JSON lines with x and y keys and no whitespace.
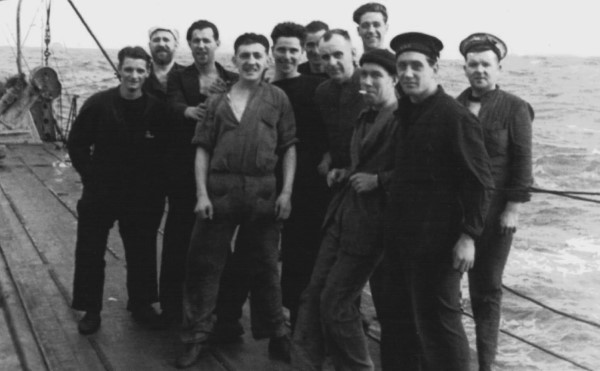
{"x":464,"y":253}
{"x":363,"y":182}
{"x":204,"y":207}
{"x":509,"y":219}
{"x":218,"y":87}
{"x":336,"y":176}
{"x":325,"y":164}
{"x":196,"y":113}
{"x":283,"y":206}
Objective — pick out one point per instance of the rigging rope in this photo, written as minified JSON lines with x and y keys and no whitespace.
{"x":564,"y":314}
{"x":567,"y":194}
{"x":539,"y":347}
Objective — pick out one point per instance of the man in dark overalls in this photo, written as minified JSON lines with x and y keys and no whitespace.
{"x":117,"y":144}
{"x":238,"y":142}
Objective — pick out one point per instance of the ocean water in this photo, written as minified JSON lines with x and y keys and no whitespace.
{"x":555,"y":257}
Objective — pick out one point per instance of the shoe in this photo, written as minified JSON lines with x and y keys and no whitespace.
{"x":227,"y":333}
{"x":279,"y":348}
{"x":147,"y":316}
{"x":190,"y":355}
{"x":89,"y":324}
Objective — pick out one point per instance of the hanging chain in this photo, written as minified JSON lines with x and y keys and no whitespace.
{"x":47,"y":37}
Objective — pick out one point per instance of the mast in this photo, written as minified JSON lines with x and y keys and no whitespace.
{"x":19,"y":68}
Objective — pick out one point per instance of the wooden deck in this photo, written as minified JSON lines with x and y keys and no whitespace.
{"x":38,"y":220}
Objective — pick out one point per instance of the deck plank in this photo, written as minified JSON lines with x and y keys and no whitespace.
{"x":51,"y":226}
{"x":41,"y":197}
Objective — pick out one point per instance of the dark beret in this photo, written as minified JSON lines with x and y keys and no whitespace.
{"x":482,"y":41}
{"x":382,"y":57}
{"x":418,"y":42}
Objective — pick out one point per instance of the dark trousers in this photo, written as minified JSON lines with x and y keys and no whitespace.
{"x":421,"y":324}
{"x":328,"y":317}
{"x":247,"y":202}
{"x":485,"y":287}
{"x":138,"y":224}
{"x":176,"y":241}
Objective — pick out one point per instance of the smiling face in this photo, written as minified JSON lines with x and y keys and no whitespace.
{"x":311,"y":45}
{"x":337,"y":57}
{"x":287,"y":53}
{"x":162,"y":46}
{"x":133,"y":73}
{"x":251,"y":61}
{"x":377,"y":83}
{"x":417,"y":77}
{"x":482,"y":69}
{"x":372,"y":30}
{"x":203,"y":46}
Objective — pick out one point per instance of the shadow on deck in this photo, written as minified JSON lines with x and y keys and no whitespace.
{"x":38,"y":221}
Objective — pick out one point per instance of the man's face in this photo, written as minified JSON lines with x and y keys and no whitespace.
{"x":162,"y":46}
{"x":377,"y":83}
{"x":251,"y":61}
{"x":337,"y":58}
{"x":287,"y":52}
{"x":372,"y":30}
{"x":203,"y":46}
{"x":482,"y":69}
{"x":311,"y":45}
{"x":416,"y":76}
{"x":133,"y":73}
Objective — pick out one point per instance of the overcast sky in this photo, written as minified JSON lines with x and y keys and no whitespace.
{"x":527,"y":26}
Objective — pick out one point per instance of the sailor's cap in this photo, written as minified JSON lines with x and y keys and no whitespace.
{"x":381,"y":57}
{"x":482,"y":41}
{"x":419,"y":42}
{"x":173,"y":31}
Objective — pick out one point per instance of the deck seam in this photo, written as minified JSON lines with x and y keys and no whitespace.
{"x":64,"y":292}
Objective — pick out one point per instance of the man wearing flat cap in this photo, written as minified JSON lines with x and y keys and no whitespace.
{"x":438,"y":201}
{"x":506,"y":123}
{"x":352,"y":246}
{"x":372,"y":26}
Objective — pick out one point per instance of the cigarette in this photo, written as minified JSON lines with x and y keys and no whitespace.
{"x":362,"y":92}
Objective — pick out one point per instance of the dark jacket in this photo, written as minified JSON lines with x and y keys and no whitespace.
{"x":361,"y":214}
{"x":339,"y":105}
{"x":113,"y":157}
{"x":153,"y":87}
{"x":183,"y":91}
{"x":506,"y":121}
{"x":439,"y":186}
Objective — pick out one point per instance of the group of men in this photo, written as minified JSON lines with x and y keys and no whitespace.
{"x":347,"y":173}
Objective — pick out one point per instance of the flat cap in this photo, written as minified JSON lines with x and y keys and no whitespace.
{"x":382,"y":57}
{"x":482,"y":41}
{"x":173,"y":31}
{"x":418,"y":42}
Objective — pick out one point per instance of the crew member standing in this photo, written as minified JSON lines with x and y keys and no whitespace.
{"x":187,"y":90}
{"x":117,"y":145}
{"x":438,"y":201}
{"x":506,"y":121}
{"x":239,"y":141}
{"x":352,"y":244}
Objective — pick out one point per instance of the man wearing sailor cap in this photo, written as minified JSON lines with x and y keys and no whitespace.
{"x":438,"y":201}
{"x":506,"y":123}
